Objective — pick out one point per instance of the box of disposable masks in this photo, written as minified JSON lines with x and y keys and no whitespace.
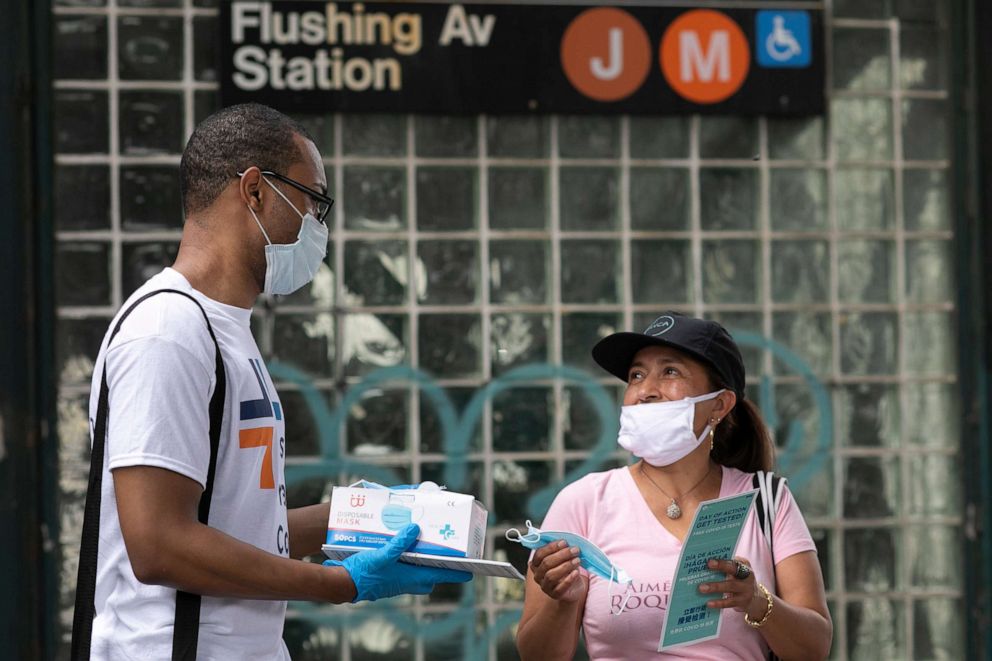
{"x":367,"y":515}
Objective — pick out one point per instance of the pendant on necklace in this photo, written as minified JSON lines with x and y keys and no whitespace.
{"x":673,"y":511}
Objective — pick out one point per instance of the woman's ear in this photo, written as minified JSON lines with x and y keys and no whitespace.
{"x":723,"y":404}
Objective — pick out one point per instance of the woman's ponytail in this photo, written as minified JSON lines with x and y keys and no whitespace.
{"x":742,"y":441}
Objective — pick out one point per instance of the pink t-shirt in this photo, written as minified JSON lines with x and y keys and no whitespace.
{"x":608,"y":509}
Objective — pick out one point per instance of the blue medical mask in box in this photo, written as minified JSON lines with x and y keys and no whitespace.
{"x":395,"y":517}
{"x":592,"y":558}
{"x":401,"y":511}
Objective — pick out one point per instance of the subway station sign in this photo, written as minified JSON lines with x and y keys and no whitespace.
{"x":315,"y":56}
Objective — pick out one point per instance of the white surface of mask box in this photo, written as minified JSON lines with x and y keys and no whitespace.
{"x":451,"y":524}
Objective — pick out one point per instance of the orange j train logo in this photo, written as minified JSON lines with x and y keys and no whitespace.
{"x":606,"y":54}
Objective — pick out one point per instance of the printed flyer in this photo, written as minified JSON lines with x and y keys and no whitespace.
{"x":714,"y":533}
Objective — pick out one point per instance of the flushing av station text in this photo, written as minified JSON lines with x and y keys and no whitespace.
{"x":258,"y":31}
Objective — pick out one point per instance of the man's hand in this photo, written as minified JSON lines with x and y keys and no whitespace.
{"x":378,"y":574}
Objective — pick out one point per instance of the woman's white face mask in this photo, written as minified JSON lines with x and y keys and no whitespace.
{"x":661,"y":433}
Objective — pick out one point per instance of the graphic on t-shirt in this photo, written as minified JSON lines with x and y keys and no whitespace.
{"x":257,"y":437}
{"x":643,"y":595}
{"x":254,"y":409}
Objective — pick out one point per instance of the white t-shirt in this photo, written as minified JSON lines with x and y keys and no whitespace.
{"x":161,"y":375}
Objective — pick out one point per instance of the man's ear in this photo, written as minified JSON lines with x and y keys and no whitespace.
{"x":250,"y":188}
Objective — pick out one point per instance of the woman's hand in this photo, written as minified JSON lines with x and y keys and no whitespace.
{"x":740,"y":594}
{"x":556,"y":570}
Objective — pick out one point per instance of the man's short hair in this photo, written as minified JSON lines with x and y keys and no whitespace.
{"x":231,"y":141}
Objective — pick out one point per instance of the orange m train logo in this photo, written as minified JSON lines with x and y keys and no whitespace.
{"x":260,"y":437}
{"x":705,"y":56}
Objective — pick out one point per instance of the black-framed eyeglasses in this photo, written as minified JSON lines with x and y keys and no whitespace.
{"x":324,"y":203}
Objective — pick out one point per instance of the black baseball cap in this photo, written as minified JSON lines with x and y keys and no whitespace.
{"x":706,"y":341}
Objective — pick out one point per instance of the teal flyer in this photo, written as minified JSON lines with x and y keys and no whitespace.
{"x":714,"y":533}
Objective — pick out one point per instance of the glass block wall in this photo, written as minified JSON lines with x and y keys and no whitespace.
{"x":475,"y":260}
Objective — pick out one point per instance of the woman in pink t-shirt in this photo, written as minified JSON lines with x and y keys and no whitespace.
{"x":698,"y":438}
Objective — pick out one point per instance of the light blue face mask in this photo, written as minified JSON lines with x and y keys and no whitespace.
{"x":591,"y":557}
{"x":290,"y":266}
{"x":395,"y":516}
{"x":424,"y":486}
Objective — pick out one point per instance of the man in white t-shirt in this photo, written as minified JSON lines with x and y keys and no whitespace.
{"x":189,"y":550}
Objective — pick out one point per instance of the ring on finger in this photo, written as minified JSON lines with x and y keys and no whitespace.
{"x":742,"y":572}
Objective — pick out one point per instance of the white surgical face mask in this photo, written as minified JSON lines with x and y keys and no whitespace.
{"x":289,"y":266}
{"x":661,"y":433}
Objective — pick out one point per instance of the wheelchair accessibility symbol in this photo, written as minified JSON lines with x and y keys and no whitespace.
{"x":783,"y":39}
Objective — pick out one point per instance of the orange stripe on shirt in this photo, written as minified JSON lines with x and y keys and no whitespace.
{"x":256,"y":438}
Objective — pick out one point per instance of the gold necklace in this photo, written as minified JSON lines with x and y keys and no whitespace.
{"x":674,"y":511}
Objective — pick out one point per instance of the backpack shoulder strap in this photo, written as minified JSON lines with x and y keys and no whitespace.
{"x":187,"y":622}
{"x":770,"y":488}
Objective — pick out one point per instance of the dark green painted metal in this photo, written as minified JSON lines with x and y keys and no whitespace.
{"x":972,"y":153}
{"x":27,"y":475}
{"x":46,"y":380}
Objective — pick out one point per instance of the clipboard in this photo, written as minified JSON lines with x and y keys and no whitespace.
{"x":473,"y":565}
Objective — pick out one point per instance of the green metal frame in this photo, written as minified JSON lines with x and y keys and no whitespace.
{"x":27,"y":393}
{"x":972,"y":126}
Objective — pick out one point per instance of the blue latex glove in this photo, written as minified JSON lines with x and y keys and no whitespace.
{"x":378,"y":574}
